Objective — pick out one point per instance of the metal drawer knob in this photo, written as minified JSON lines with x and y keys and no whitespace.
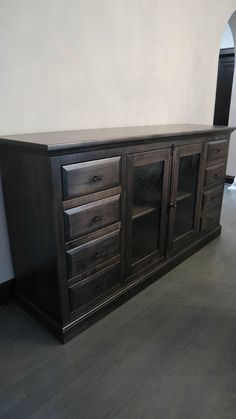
{"x":99,"y":254}
{"x":217,"y":174}
{"x":97,"y":218}
{"x":98,"y":178}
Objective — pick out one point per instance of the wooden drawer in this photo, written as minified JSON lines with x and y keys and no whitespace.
{"x":96,"y":287}
{"x":210,"y":219}
{"x":90,"y":217}
{"x":217,"y":149}
{"x":212,"y":197}
{"x":92,"y":253}
{"x":215,"y":175}
{"x":91,"y":176}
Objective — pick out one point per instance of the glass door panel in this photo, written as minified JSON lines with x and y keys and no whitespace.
{"x":146,"y":215}
{"x":147,"y":206}
{"x":187,"y":179}
{"x":186,"y":194}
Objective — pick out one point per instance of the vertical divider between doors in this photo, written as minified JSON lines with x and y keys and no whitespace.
{"x":165,"y":201}
{"x":200,"y":186}
{"x":172,"y":196}
{"x":124,"y":223}
{"x":129,"y":210}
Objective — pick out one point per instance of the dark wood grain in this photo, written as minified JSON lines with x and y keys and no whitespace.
{"x":94,"y":288}
{"x":89,"y":177}
{"x":62,"y":140}
{"x":215,"y":175}
{"x":212,"y":197}
{"x":93,"y":236}
{"x":92,"y":253}
{"x":210,"y":218}
{"x":90,"y":217}
{"x":217,"y":149}
{"x":29,"y":210}
{"x":93,"y":269}
{"x":55,"y":241}
{"x":92,"y":197}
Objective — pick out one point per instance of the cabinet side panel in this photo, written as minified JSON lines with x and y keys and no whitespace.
{"x":28,"y":199}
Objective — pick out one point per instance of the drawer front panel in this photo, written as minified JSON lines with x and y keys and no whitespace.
{"x":215,"y":175}
{"x":89,"y":177}
{"x":92,"y":253}
{"x":217,"y":150}
{"x":211,"y":218}
{"x":90,"y":217}
{"x":94,"y":288}
{"x":212,"y":197}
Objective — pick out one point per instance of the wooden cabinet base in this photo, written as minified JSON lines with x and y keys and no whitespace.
{"x":95,"y":218}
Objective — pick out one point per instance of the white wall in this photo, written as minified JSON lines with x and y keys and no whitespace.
{"x":96,"y":63}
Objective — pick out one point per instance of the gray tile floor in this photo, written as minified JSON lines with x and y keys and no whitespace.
{"x":170,"y":352}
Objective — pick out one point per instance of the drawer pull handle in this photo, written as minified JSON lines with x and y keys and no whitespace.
{"x":218,"y":150}
{"x":217,"y":174}
{"x":98,"y":178}
{"x":99,"y":254}
{"x":97,"y":218}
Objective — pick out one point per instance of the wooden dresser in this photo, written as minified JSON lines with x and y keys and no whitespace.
{"x":96,"y":215}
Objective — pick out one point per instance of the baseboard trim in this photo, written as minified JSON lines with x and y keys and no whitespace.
{"x":6,"y":292}
{"x":229,"y":179}
{"x":54,"y":327}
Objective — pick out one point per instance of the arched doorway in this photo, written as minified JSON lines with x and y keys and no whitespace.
{"x":225,"y":103}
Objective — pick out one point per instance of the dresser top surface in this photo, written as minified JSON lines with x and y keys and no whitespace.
{"x":60,"y":140}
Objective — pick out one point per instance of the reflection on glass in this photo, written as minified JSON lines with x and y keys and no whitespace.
{"x":186,"y":194}
{"x":147,"y":194}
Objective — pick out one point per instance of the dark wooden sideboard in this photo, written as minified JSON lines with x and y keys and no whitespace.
{"x":96,"y":215}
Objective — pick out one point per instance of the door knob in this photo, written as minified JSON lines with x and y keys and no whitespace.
{"x":172,"y":205}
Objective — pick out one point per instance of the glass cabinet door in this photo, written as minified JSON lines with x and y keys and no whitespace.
{"x":147,"y":175}
{"x":185,"y":200}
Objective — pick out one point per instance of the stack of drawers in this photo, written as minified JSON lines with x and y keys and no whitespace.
{"x":92,"y":214}
{"x":214,"y":184}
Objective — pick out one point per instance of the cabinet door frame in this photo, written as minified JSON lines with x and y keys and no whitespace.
{"x":174,"y":244}
{"x":142,"y":159}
